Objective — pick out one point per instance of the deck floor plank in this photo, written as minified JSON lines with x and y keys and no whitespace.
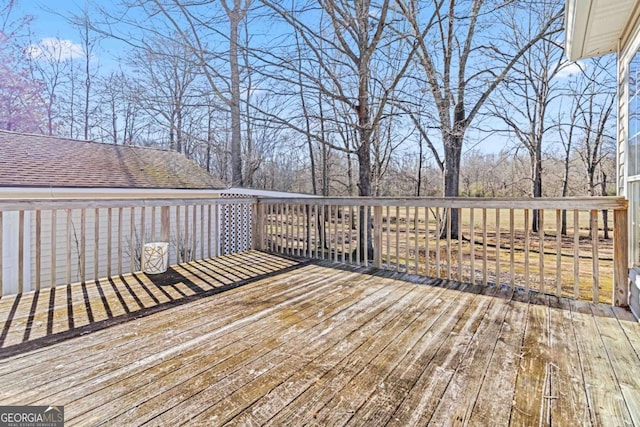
{"x":495,"y":398}
{"x":606,"y":401}
{"x":92,"y":371}
{"x":391,"y":389}
{"x":227,"y":397}
{"x":391,"y":346}
{"x":255,"y":338}
{"x":225,"y":305}
{"x":228,"y":354}
{"x":59,"y":317}
{"x":569,"y":402}
{"x":419,"y":404}
{"x":531,"y":401}
{"x":623,"y":359}
{"x":463,"y":391}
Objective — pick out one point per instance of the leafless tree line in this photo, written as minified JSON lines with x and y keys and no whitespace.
{"x":366,"y":97}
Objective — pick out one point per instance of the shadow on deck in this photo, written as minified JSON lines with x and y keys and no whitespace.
{"x":41,"y":318}
{"x":293,"y":342}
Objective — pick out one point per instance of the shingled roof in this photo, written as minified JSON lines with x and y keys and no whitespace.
{"x":45,"y":161}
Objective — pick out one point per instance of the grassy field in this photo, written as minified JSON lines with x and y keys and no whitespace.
{"x":507,"y":256}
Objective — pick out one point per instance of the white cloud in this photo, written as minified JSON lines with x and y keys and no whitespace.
{"x":55,"y":49}
{"x":569,"y":69}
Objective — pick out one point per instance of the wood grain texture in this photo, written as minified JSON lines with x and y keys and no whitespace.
{"x":318,"y":344}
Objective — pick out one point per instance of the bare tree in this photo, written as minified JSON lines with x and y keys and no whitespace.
{"x":166,"y":74}
{"x":454,"y":57}
{"x":347,"y":52}
{"x":523,"y":100}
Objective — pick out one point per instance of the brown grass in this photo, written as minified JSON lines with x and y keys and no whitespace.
{"x":516,"y":269}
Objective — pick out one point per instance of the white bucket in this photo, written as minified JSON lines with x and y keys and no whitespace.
{"x":155,"y":257}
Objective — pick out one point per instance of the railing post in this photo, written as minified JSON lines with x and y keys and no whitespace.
{"x":258,"y":226}
{"x":620,"y":258}
{"x":377,"y":236}
{"x":165,"y":224}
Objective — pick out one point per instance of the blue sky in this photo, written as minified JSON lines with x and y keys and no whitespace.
{"x":49,"y":21}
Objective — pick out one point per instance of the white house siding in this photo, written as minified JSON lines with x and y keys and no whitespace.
{"x":622,"y":125}
{"x":629,"y":47}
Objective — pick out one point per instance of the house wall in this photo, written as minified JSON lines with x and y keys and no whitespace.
{"x":629,"y":45}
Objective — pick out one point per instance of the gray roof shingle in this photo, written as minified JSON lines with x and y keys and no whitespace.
{"x":44,"y":161}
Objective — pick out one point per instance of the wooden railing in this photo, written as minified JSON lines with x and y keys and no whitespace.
{"x":495,"y":245}
{"x":57,"y":242}
{"x":47,"y":242}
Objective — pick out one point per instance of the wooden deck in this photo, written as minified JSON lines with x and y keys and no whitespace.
{"x":256,"y":339}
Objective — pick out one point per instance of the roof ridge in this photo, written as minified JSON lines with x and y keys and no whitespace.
{"x":64,"y":138}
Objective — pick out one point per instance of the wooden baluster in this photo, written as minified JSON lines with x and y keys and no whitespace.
{"x":194,"y":233}
{"x":484,"y":247}
{"x":298,"y":245}
{"x":143,"y":226}
{"x":153,"y":236}
{"x":526,"y":250}
{"x":96,"y":245}
{"x":472,"y":248}
{"x":165,"y":224}
{"x":459,"y":244}
{"x":287,"y":230}
{"x":21,"y":252}
{"x":416,"y":247}
{"x":365,"y":235}
{"x":216,"y":229}
{"x":438,"y":230}
{"x":388,"y":250}
{"x":119,"y":240}
{"x":54,"y":247}
{"x":558,"y":252}
{"x":397,"y":238}
{"x":498,"y":247}
{"x":109,"y":240}
{"x":351,"y":226}
{"x":541,"y":248}
{"x":309,"y":219}
{"x":38,"y":248}
{"x":358,"y":257}
{"x":132,"y":252}
{"x":187,"y":256}
{"x":595,"y":256}
{"x":377,"y":236}
{"x":202,"y":254}
{"x":448,"y":216}
{"x":342,"y":221}
{"x":179,"y":245}
{"x":426,"y":241}
{"x":407,"y":255}
{"x":209,"y":236}
{"x":512,"y":249}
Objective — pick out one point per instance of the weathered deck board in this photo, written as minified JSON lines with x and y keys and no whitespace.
{"x":254,"y":338}
{"x":569,"y":404}
{"x":495,"y":398}
{"x":606,"y":401}
{"x":532,"y":394}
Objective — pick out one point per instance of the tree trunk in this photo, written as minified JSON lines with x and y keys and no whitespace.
{"x":605,"y":213}
{"x":452,"y":155}
{"x":536,"y":184}
{"x":236,"y":143}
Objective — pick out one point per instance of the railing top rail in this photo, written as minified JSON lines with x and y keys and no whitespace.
{"x":568,"y":203}
{"x":79,"y":203}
